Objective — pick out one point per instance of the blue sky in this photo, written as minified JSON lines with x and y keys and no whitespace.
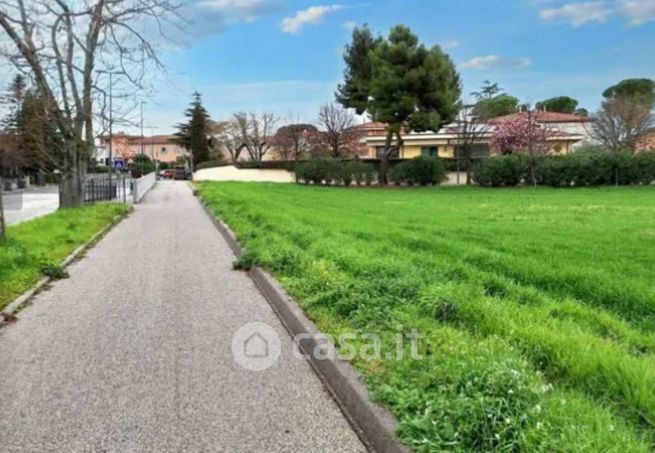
{"x":285,"y":56}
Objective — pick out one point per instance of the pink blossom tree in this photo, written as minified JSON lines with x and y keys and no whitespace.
{"x":523,"y":135}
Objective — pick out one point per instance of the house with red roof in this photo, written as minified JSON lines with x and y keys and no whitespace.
{"x":566,"y":133}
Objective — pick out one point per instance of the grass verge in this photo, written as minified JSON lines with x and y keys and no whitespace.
{"x":36,"y":248}
{"x":536,"y":307}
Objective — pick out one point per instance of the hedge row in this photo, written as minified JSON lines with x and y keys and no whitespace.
{"x":592,"y":167}
{"x":420,"y":170}
{"x":331,"y":171}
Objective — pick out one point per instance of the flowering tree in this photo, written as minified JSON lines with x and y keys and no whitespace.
{"x":522,"y":135}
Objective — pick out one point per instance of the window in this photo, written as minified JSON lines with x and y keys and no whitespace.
{"x":430,"y":151}
{"x":380,"y":149}
{"x":163,"y":150}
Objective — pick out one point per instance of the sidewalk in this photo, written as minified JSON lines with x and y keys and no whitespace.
{"x":137,"y":357}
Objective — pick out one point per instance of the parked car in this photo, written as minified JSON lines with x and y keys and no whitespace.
{"x":169,"y":173}
{"x":181,"y":173}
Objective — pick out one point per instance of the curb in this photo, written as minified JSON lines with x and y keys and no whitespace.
{"x":21,"y":301}
{"x":374,"y":425}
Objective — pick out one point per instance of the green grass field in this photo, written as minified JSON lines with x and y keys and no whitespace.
{"x":35,"y":246}
{"x":537,"y":307}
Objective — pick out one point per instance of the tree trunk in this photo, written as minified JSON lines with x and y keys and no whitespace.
{"x":73,"y":178}
{"x":2,"y":215}
{"x":469,"y":179}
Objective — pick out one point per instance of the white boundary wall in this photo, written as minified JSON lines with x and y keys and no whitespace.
{"x":141,"y":186}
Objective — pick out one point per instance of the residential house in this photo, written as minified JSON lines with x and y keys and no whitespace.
{"x":566,"y":133}
{"x":160,"y":148}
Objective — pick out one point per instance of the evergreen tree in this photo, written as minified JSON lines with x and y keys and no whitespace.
{"x":400,"y":82}
{"x":560,"y":104}
{"x":194,"y":134}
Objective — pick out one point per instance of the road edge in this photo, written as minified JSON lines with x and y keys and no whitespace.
{"x":24,"y":299}
{"x":374,"y":424}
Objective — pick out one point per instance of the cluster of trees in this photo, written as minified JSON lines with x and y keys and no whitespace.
{"x":28,"y":132}
{"x":66,"y":48}
{"x":253,"y":135}
{"x":625,"y":115}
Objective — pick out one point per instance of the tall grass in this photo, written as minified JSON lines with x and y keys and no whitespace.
{"x":537,"y":306}
{"x":33,"y":247}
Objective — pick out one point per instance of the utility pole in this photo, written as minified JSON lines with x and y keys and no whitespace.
{"x":2,"y":214}
{"x":111,"y":123}
{"x":142,"y":144}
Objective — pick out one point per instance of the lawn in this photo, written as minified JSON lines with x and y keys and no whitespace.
{"x":536,"y":306}
{"x":39,"y":246}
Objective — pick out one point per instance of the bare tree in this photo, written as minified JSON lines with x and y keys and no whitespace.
{"x":258,"y":132}
{"x":470,"y":132}
{"x":61,"y":45}
{"x":295,"y":141}
{"x":339,"y":132}
{"x":230,"y":135}
{"x":621,"y":123}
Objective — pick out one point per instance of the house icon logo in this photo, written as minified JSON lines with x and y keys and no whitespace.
{"x":256,"y":346}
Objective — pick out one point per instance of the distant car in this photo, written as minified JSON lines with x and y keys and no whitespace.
{"x":181,"y":173}
{"x":169,"y":173}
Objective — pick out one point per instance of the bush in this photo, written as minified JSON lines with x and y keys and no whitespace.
{"x":645,"y":162}
{"x":500,"y":171}
{"x":596,"y":167}
{"x":164,"y":165}
{"x":420,"y":170}
{"x":313,"y":171}
{"x":142,"y":164}
{"x":331,"y":171}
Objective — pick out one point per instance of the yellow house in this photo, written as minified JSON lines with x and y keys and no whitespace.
{"x":566,"y":132}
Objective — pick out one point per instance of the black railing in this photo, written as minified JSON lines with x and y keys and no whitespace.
{"x":103,"y":189}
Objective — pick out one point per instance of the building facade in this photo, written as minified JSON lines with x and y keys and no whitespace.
{"x":565,"y":134}
{"x":160,"y":148}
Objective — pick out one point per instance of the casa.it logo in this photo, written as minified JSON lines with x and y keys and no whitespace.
{"x":256,"y":346}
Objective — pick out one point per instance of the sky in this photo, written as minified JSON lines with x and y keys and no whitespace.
{"x":286,"y":56}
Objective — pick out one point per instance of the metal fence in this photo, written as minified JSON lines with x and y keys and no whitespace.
{"x":102,"y":188}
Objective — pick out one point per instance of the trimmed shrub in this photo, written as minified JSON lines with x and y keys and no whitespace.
{"x":596,"y":167}
{"x":331,"y":171}
{"x":420,"y":170}
{"x":500,"y":171}
{"x":166,"y":166}
{"x":645,"y":162}
{"x":313,"y":171}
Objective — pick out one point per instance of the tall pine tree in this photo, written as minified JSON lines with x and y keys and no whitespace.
{"x":194,"y":134}
{"x":401,"y":83}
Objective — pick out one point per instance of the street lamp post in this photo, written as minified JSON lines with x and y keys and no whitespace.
{"x":111,"y":122}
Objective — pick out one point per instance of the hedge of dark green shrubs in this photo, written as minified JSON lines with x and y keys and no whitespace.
{"x":420,"y":170}
{"x":332,"y":171}
{"x":588,"y":167}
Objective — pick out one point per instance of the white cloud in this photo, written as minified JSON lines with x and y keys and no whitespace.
{"x":211,"y":16}
{"x":311,"y":15}
{"x":578,"y":14}
{"x":494,"y":62}
{"x":349,"y":25}
{"x":638,"y":12}
{"x":452,"y":44}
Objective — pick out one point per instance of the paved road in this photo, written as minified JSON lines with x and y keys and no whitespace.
{"x":138,"y":358}
{"x":22,"y":205}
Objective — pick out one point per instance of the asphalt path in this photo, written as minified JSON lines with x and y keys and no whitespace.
{"x":133,"y":352}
